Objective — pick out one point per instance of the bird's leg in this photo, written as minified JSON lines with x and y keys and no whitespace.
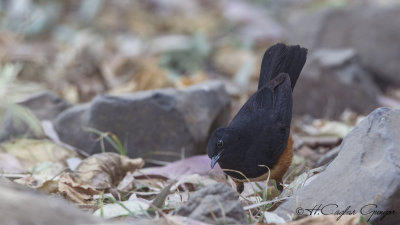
{"x":239,"y":186}
{"x":279,"y":186}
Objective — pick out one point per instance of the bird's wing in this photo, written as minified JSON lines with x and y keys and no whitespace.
{"x":281,"y":58}
{"x":276,"y":118}
{"x":266,"y":118}
{"x":272,"y":102}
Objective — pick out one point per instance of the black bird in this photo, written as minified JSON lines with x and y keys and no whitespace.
{"x":256,"y":143}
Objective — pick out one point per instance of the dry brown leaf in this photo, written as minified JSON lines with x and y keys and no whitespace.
{"x":32,"y":152}
{"x":295,"y":185}
{"x":153,"y":184}
{"x":75,"y":191}
{"x":49,"y":186}
{"x":185,"y":81}
{"x":44,"y":177}
{"x":193,"y":165}
{"x":325,"y":141}
{"x":106,"y":170}
{"x":178,"y":198}
{"x":229,"y":61}
{"x":10,"y":164}
{"x":308,"y":153}
{"x":151,"y":77}
{"x":136,"y":207}
{"x":192,"y":182}
{"x":127,"y":183}
{"x":327,"y":128}
{"x":99,"y":172}
{"x":77,"y":69}
{"x":147,"y":75}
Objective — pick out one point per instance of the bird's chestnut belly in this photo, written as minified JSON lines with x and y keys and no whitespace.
{"x":251,"y":171}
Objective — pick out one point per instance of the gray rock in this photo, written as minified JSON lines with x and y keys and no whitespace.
{"x":71,"y":127}
{"x":334,"y":79}
{"x":217,"y":200}
{"x":44,"y":106}
{"x":366,"y":171}
{"x":156,"y":124}
{"x":371,"y":30}
{"x":21,"y":205}
{"x":327,"y":158}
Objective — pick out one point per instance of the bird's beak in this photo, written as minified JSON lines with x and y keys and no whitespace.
{"x":215,"y":159}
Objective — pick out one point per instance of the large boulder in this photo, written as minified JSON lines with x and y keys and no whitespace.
{"x":335,"y":79}
{"x":158,"y":124}
{"x":370,"y":29}
{"x":365,"y":176}
{"x":214,"y":204}
{"x":44,"y":106}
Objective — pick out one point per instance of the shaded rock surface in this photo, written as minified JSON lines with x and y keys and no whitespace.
{"x":217,"y":200}
{"x":334,"y":79}
{"x":365,"y":172}
{"x":157,"y":124}
{"x":72,"y":125}
{"x":370,"y":29}
{"x":20,"y":205}
{"x":45,"y":106}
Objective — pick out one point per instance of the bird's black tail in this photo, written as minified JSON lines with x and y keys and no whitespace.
{"x":281,"y":58}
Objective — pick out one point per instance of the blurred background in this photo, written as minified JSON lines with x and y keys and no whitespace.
{"x":154,"y":78}
{"x":82,"y":49}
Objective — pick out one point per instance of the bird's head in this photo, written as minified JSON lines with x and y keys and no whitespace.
{"x":218,"y":144}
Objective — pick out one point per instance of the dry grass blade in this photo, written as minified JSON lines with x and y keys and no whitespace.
{"x":264,"y":203}
{"x":26,"y":116}
{"x":112,"y":139}
{"x":159,"y":201}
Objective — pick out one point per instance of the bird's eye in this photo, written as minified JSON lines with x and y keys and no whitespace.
{"x":220,"y":143}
